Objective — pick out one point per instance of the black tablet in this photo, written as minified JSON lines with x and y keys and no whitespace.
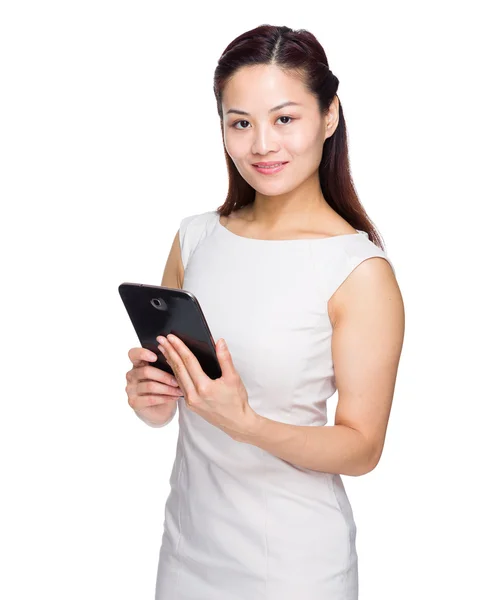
{"x":156,"y":310}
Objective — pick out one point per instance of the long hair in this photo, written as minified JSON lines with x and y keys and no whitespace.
{"x":296,"y":52}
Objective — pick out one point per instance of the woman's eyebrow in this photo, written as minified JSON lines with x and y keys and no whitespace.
{"x":242,"y":112}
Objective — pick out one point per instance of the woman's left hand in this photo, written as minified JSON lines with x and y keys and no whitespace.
{"x":223,"y":402}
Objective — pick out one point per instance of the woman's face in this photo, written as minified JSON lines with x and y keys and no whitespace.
{"x":293,"y":133}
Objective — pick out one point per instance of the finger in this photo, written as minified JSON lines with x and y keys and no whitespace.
{"x":186,"y":379}
{"x":140,"y":356}
{"x":189,"y":359}
{"x":140,"y":402}
{"x":145,"y":388}
{"x":170,"y":361}
{"x":150,"y":372}
{"x":225,"y":360}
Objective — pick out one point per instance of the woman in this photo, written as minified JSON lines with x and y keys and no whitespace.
{"x":291,"y":274}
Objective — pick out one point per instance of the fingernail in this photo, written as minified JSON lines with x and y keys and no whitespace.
{"x":174,"y":381}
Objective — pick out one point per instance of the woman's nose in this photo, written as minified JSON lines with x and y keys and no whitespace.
{"x":264,"y":141}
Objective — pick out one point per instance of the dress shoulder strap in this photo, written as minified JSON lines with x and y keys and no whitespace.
{"x":340,"y":261}
{"x":193,"y":229}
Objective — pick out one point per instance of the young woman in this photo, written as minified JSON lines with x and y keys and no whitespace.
{"x":291,"y":274}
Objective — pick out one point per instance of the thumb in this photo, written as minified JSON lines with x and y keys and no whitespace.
{"x":225,"y":358}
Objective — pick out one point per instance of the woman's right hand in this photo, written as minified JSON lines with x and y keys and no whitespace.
{"x":151,"y":392}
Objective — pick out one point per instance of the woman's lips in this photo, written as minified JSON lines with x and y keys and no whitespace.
{"x":270,"y":170}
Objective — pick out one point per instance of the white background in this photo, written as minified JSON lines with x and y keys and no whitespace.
{"x":109,"y":136}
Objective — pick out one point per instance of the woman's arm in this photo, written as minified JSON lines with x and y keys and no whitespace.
{"x":368,"y":318}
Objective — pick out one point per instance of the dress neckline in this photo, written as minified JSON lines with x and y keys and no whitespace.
{"x":322,"y":239}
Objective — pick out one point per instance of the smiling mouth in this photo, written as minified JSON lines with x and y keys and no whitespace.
{"x":271,"y":169}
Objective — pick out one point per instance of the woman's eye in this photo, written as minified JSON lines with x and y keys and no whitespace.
{"x":237,"y":122}
{"x":244,"y":121}
{"x":286,"y":117}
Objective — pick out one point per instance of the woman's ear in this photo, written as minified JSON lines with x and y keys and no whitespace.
{"x":332,"y":117}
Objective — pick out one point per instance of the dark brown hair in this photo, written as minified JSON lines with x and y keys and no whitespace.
{"x":298,"y":53}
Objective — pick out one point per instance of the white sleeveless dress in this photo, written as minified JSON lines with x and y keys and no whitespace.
{"x":241,"y":523}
